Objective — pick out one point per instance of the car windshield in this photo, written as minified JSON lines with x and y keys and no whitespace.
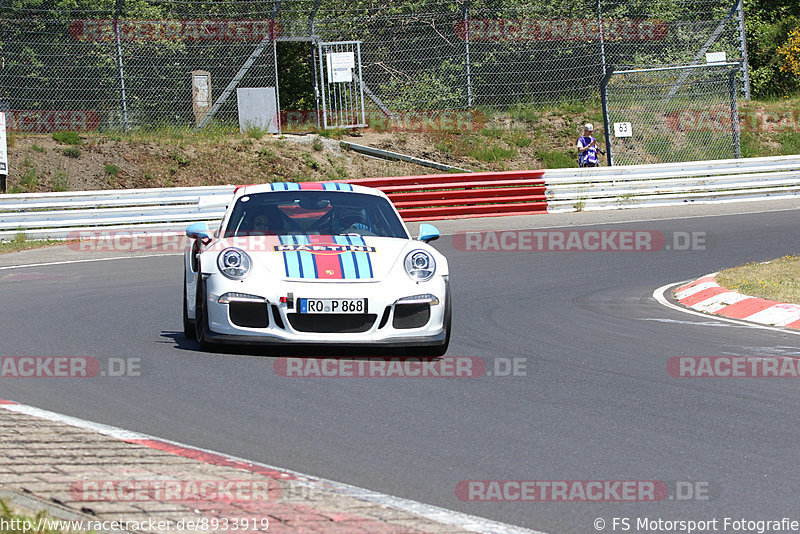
{"x":314,"y":213}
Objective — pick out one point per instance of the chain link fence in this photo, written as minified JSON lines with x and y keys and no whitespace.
{"x":665,"y":115}
{"x":119,"y":65}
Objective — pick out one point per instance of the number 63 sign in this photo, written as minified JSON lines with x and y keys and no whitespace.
{"x":622,"y":129}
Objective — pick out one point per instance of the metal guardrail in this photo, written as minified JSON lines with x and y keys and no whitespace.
{"x":62,"y":215}
{"x":671,"y":184}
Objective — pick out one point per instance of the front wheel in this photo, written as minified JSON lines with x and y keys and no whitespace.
{"x":188,"y":324}
{"x":201,"y":314}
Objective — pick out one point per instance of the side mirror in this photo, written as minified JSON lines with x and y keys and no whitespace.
{"x":199,"y":231}
{"x":428,"y":232}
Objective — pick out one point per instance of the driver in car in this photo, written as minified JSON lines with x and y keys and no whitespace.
{"x":267,"y":222}
{"x":261,"y":224}
{"x":350,"y":220}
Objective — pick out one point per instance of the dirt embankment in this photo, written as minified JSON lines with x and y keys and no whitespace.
{"x":524,"y":137}
{"x":93,"y":161}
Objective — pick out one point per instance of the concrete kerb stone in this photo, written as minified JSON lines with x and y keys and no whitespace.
{"x":705,"y":295}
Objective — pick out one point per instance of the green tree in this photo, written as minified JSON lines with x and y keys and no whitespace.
{"x":768,"y":25}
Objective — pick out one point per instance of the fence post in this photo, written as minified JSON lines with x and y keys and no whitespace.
{"x":737,"y":144}
{"x":123,"y":97}
{"x":604,"y":100}
{"x":312,"y":32}
{"x":743,"y":48}
{"x":602,"y":38}
{"x":3,"y":153}
{"x":465,"y":19}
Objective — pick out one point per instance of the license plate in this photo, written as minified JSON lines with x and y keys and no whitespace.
{"x":354,"y":306}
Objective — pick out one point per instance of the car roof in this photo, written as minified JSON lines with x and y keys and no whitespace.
{"x":306,"y":186}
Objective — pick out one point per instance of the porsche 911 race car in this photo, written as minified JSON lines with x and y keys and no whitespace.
{"x":320,"y":264}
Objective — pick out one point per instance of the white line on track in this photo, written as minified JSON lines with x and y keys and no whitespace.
{"x":92,"y":260}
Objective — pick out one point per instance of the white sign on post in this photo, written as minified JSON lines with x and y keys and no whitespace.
{"x":340,"y":66}
{"x":716,"y":57}
{"x":202,"y":91}
{"x":3,"y":148}
{"x":622,"y":129}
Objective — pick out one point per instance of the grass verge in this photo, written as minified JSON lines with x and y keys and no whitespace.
{"x":21,"y":242}
{"x":24,"y":522}
{"x":774,"y":280}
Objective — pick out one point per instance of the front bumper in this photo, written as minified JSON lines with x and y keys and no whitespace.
{"x":267,"y":340}
{"x":389,"y":322}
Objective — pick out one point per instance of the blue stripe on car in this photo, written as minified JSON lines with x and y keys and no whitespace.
{"x":303,"y":264}
{"x":363,"y":261}
{"x":308,"y":262}
{"x":335,"y":186}
{"x":349,"y":270}
{"x":291,"y":259}
{"x":284,"y":186}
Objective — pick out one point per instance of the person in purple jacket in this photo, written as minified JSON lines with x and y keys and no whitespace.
{"x":587,"y":148}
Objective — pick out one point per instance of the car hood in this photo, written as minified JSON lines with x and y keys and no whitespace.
{"x":323,"y":257}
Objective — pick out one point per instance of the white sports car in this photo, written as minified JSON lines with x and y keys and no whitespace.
{"x":319,"y":264}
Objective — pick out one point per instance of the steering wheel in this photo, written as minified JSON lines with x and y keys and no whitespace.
{"x":359,"y":228}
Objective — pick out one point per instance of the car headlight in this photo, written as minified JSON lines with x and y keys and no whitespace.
{"x":234,"y":263}
{"x":420,"y":265}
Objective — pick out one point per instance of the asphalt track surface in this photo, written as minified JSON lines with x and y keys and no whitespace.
{"x":596,"y":403}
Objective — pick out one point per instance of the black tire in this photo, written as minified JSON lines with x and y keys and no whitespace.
{"x":188,"y":324}
{"x":201,"y":314}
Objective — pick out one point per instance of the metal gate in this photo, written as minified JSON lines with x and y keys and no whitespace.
{"x":341,"y":86}
{"x":671,"y":114}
